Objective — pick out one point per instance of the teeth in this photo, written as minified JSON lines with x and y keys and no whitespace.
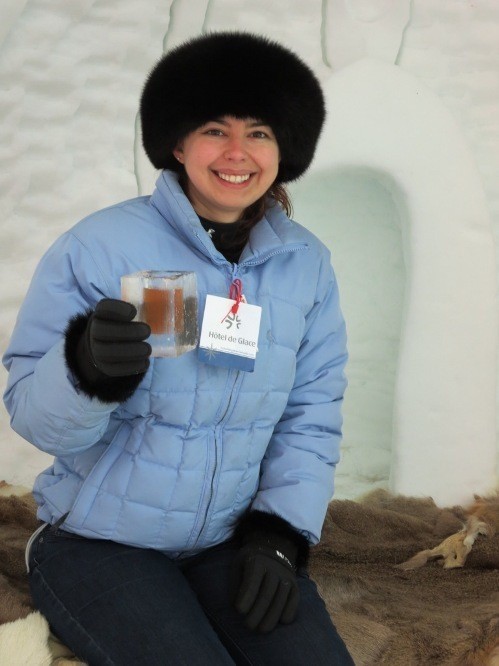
{"x":233,"y":179}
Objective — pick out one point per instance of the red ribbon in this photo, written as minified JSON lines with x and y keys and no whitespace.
{"x":235,"y":294}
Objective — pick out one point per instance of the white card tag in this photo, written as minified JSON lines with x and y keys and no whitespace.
{"x":229,"y":339}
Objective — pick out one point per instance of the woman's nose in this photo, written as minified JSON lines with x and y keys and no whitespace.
{"x":235,"y":148}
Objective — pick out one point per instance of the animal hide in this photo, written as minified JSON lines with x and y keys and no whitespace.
{"x":395,"y":617}
{"x":25,"y":638}
{"x":481,"y":518}
{"x":25,"y":642}
{"x":17,"y":522}
{"x":388,"y":615}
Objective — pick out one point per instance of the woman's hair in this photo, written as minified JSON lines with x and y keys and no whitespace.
{"x":254,"y":213}
{"x":276,"y":192}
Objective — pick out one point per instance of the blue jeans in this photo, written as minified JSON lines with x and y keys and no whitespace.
{"x":115,"y":605}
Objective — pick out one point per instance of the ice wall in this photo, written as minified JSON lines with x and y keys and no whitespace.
{"x":71,"y":76}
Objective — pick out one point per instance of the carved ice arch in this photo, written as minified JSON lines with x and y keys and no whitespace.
{"x":382,"y":119}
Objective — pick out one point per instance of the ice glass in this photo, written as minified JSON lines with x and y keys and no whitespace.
{"x":168,"y":302}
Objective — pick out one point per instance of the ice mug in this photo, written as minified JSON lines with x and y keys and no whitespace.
{"x":167,"y":301}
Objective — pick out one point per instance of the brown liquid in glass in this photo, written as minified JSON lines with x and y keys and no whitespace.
{"x":157,"y":310}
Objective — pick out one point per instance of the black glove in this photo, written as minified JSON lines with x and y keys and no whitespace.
{"x":263,"y":576}
{"x":106,"y":351}
{"x":113,"y":344}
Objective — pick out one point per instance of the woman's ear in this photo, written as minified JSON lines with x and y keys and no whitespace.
{"x":178,"y":153}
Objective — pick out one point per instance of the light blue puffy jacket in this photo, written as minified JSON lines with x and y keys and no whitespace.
{"x":175,"y":466}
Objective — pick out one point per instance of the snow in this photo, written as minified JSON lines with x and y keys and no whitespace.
{"x":403,"y":190}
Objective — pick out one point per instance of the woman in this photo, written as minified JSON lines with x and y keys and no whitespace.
{"x":184,"y":496}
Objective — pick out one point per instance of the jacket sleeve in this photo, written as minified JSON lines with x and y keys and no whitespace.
{"x":42,"y":398}
{"x":297,"y":472}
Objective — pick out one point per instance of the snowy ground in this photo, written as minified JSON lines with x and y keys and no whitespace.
{"x":71,"y":77}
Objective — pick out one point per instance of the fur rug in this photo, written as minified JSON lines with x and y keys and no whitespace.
{"x":25,"y":638}
{"x":391,"y":613}
{"x":377,"y":568}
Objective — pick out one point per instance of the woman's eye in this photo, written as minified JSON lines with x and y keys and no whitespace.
{"x":214,"y":132}
{"x":259,"y":134}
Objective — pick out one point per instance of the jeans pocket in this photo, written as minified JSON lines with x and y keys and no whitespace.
{"x":45,"y":535}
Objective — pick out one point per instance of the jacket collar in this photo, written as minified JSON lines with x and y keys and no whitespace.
{"x":274,"y":233}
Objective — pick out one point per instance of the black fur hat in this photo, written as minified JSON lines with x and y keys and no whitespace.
{"x":236,"y":74}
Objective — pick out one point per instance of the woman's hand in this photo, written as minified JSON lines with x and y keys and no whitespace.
{"x":263,"y":582}
{"x":113,"y":344}
{"x":106,"y":351}
{"x":264,"y":586}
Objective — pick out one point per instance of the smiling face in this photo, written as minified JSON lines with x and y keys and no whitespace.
{"x":230,"y":163}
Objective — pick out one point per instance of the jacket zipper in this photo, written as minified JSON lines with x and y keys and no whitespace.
{"x":215,"y":466}
{"x":233,"y":275}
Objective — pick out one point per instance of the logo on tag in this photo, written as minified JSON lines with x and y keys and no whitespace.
{"x":232,"y":319}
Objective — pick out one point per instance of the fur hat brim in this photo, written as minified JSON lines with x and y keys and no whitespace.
{"x":240,"y":75}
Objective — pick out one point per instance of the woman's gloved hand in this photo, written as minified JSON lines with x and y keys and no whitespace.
{"x":264,"y":587}
{"x":113,"y":343}
{"x":106,"y":351}
{"x":263,"y":577}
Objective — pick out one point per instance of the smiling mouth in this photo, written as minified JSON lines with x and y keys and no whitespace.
{"x":230,"y":178}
